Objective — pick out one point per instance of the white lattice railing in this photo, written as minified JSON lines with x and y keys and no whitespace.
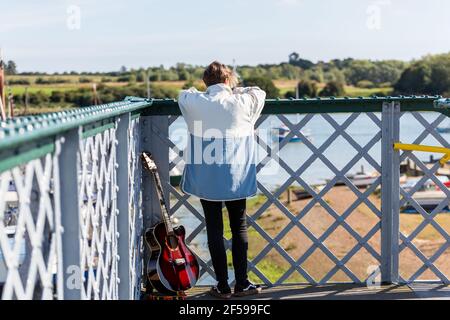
{"x":136,"y":244}
{"x":29,"y":241}
{"x":70,"y":206}
{"x":431,"y":259}
{"x":74,"y":202}
{"x":98,"y":220}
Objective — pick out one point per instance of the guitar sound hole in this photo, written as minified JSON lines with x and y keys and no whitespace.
{"x":172,"y":241}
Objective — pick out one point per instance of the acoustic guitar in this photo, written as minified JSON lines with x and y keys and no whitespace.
{"x":172,"y":267}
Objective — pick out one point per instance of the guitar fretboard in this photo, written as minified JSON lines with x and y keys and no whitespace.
{"x":162,"y":202}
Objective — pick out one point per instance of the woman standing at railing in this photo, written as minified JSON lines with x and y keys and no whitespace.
{"x":220,"y":166}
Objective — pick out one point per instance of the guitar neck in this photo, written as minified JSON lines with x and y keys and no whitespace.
{"x":162,"y":202}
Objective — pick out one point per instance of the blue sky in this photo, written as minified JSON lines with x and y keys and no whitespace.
{"x":139,"y":33}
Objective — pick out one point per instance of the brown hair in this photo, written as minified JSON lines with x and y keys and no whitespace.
{"x":217,"y":72}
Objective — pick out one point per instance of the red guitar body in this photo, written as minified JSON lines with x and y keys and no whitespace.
{"x":173,"y":267}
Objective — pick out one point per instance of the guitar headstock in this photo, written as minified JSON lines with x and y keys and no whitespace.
{"x":148,"y":162}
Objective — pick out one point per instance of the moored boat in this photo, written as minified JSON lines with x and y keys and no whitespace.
{"x":428,"y":196}
{"x":443,"y":130}
{"x":362,"y":180}
{"x":281,"y":133}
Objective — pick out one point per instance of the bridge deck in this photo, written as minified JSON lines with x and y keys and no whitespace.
{"x":340,"y":291}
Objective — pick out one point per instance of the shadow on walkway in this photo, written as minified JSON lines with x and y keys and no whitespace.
{"x":340,"y":292}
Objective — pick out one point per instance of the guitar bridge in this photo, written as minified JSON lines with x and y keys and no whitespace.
{"x":180,"y":261}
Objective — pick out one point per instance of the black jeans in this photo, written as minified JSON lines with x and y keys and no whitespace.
{"x":214,"y":228}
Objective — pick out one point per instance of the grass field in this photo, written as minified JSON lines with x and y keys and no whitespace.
{"x":72,"y":78}
{"x":46,"y":89}
{"x":363,"y":92}
{"x":289,"y":85}
{"x":49,"y":88}
{"x":73,"y":84}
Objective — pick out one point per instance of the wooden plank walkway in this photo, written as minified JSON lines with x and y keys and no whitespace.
{"x":340,"y":292}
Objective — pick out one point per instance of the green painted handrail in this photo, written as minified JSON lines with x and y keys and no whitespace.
{"x":21,"y":130}
{"x":319,"y":105}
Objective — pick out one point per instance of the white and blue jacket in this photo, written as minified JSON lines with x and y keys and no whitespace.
{"x":220,"y":153}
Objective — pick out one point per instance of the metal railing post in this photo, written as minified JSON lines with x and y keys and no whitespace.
{"x":123,"y":223}
{"x":390,"y":192}
{"x":153,"y":131}
{"x":70,"y":214}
